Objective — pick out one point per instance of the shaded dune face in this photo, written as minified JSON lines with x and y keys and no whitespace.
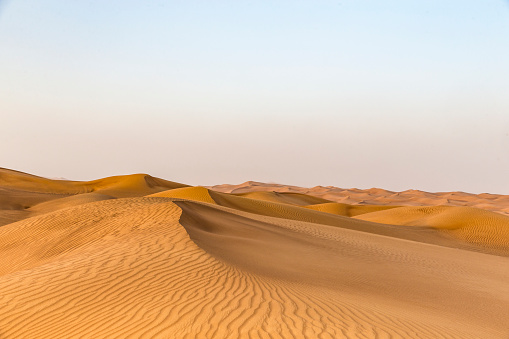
{"x":160,"y":267}
{"x":284,"y":197}
{"x":346,"y":209}
{"x":424,"y":233}
{"x":140,"y":257}
{"x":356,"y":262}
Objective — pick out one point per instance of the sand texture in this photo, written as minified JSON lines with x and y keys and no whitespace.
{"x":136,"y":256}
{"x":377,"y":196}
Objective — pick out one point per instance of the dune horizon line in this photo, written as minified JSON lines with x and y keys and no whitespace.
{"x":139,"y":256}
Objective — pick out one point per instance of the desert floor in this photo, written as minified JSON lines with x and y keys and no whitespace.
{"x":141,"y":257}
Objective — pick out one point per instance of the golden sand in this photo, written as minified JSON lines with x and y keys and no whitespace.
{"x":140,"y":257}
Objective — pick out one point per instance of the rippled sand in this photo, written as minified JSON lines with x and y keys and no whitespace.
{"x":141,"y":257}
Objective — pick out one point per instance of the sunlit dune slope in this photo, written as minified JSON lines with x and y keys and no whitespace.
{"x":140,"y":257}
{"x":21,"y":193}
{"x":473,"y":225}
{"x":117,"y":186}
{"x":68,"y":201}
{"x":166,"y":268}
{"x":192,"y":193}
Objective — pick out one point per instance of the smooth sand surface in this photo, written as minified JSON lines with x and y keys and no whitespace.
{"x":140,"y":257}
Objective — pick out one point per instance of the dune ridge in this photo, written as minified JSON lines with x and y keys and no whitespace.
{"x":377,"y":196}
{"x":142,"y":257}
{"x":22,"y":194}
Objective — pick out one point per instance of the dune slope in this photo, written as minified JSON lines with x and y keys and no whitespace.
{"x":376,"y":196}
{"x":347,"y":210}
{"x":130,"y":268}
{"x":472,"y":225}
{"x":141,"y":257}
{"x":25,"y":195}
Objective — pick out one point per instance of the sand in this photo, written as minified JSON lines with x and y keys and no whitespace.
{"x":140,"y":257}
{"x":376,"y":196}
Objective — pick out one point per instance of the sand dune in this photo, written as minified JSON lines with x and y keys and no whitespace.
{"x":346,"y":209}
{"x":117,"y":186}
{"x":191,"y":193}
{"x":473,"y":225}
{"x":20,"y":192}
{"x":141,"y":257}
{"x":285,"y":198}
{"x":377,"y":196}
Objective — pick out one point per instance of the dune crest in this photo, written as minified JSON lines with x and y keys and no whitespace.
{"x":140,"y":257}
{"x":20,"y":193}
{"x":376,"y":196}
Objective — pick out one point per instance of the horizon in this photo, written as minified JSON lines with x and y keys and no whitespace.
{"x":268,"y":183}
{"x":392,"y":95}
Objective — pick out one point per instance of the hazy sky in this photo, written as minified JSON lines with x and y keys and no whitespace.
{"x":358,"y":93}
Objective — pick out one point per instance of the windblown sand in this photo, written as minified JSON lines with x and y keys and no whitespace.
{"x":140,"y":257}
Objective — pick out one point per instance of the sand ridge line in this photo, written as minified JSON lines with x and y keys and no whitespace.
{"x":152,"y":280}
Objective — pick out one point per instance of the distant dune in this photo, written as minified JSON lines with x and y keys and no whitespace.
{"x":136,"y":256}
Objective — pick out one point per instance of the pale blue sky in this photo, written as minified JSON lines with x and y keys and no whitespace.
{"x":395,"y":94}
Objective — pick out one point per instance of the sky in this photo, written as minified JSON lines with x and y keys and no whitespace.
{"x":397,"y":94}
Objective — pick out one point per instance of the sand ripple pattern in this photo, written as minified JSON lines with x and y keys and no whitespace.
{"x":127,"y":268}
